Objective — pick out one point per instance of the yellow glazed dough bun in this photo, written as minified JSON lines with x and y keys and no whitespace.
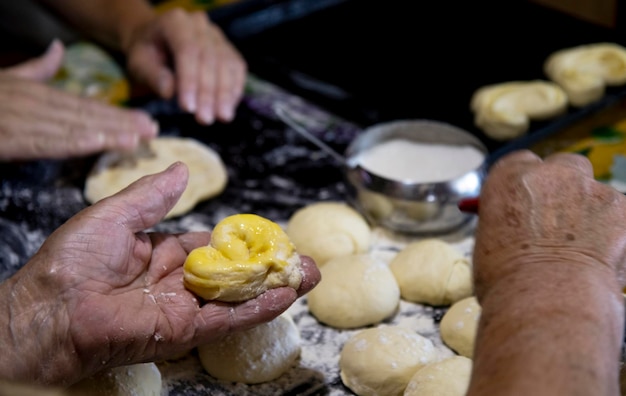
{"x":459,"y":325}
{"x":381,"y":360}
{"x":325,"y":230}
{"x":433,"y":272}
{"x":448,"y":377}
{"x":355,"y":291}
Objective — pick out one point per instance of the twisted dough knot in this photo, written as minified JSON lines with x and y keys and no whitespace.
{"x":585,"y":71}
{"x":504,"y":111}
{"x":247,"y":255}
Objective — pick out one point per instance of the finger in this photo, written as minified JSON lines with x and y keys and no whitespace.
{"x":571,"y":160}
{"x":311,"y":275}
{"x":148,"y":64}
{"x":193,"y":240}
{"x":42,"y":68}
{"x":145,"y":202}
{"x":518,"y":157}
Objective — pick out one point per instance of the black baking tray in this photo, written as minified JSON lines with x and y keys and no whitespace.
{"x":372,"y":61}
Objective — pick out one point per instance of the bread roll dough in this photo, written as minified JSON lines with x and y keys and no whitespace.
{"x":584,"y":71}
{"x":252,"y":356}
{"x":247,"y":255}
{"x":325,"y":230}
{"x":432,"y":271}
{"x":207,"y":173}
{"x":143,"y":379}
{"x":448,"y":377}
{"x":459,"y":325}
{"x":504,"y":111}
{"x":381,"y":360}
{"x":355,"y":291}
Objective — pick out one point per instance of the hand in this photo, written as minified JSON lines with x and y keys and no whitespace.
{"x":41,"y":122}
{"x":207,"y":72}
{"x":552,"y":211}
{"x":101,"y":292}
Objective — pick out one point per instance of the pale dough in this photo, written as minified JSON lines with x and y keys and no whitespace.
{"x":143,"y":379}
{"x":448,"y":377}
{"x":207,"y":173}
{"x":253,"y":356}
{"x":355,"y":291}
{"x":381,"y":360}
{"x":584,"y":71}
{"x":459,"y":325}
{"x":325,"y":230}
{"x":433,"y":272}
{"x":504,"y":111}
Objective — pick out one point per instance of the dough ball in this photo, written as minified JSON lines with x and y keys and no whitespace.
{"x":142,"y":379}
{"x":247,"y":255}
{"x":503,"y":111}
{"x":432,"y":271}
{"x":114,"y":171}
{"x":252,"y":356}
{"x":381,"y":360}
{"x":584,"y":71}
{"x":355,"y":291}
{"x":448,"y":377}
{"x":325,"y":230}
{"x":459,"y":324}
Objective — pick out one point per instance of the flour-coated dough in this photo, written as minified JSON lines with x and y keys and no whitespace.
{"x":324,"y":230}
{"x":433,"y":272}
{"x":448,"y":377}
{"x":381,"y":360}
{"x":355,"y":291}
{"x":142,"y":379}
{"x":207,"y":173}
{"x":253,"y":356}
{"x":459,"y":325}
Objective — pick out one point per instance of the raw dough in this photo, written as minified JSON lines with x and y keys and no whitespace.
{"x":584,"y":71}
{"x":142,"y":379}
{"x":355,"y":291}
{"x":325,"y":230}
{"x":381,"y":360}
{"x":459,"y":324}
{"x":207,"y":173}
{"x":504,"y":110}
{"x":252,"y":356}
{"x":248,"y":255}
{"x":448,"y":377}
{"x":432,"y":271}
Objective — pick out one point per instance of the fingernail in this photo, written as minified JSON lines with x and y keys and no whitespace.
{"x":206,"y":115}
{"x":190,"y":102}
{"x":227,"y":112}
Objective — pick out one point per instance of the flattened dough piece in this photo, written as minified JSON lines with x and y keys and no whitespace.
{"x":325,"y":230}
{"x":207,"y":173}
{"x":260,"y":354}
{"x":459,"y":325}
{"x":448,"y":377}
{"x":355,"y":291}
{"x":142,"y":379}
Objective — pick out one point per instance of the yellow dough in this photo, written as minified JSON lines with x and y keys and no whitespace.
{"x":584,"y":71}
{"x":247,"y":255}
{"x":448,"y":377}
{"x":253,"y":356}
{"x":459,"y":325}
{"x":355,"y":291}
{"x":504,"y":111}
{"x":381,"y":360}
{"x":325,"y":230}
{"x":207,"y":173}
{"x":432,"y":271}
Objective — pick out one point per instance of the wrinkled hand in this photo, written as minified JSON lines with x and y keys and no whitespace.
{"x":100,"y":292}
{"x":551,"y":211}
{"x":41,"y":122}
{"x":185,"y":53}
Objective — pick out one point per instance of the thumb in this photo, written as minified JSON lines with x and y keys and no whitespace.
{"x":145,"y":202}
{"x":43,"y":67}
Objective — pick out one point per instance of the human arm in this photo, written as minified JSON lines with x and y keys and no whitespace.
{"x":548,"y":269}
{"x":176,"y":51}
{"x":101,"y":292}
